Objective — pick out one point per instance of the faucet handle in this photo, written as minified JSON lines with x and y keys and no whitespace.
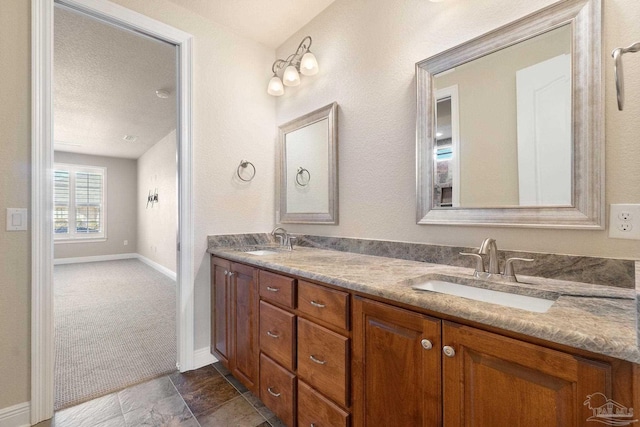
{"x":509,"y":272}
{"x":479,"y":261}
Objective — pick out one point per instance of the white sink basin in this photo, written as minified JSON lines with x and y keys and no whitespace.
{"x":261,"y":252}
{"x":523,"y":302}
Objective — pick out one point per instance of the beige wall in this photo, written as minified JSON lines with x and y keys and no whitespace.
{"x":15,"y":266}
{"x":158,"y":223}
{"x":121,"y":203}
{"x":367,"y":50}
{"x":488,"y":117}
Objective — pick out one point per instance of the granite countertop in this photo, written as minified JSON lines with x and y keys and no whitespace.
{"x":600,"y":319}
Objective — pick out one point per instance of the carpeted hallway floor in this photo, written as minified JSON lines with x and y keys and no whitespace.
{"x":114,"y":327}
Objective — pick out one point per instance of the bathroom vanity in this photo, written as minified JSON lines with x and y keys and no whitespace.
{"x":329,"y":338}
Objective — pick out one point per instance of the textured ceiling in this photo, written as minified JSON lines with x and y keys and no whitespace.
{"x":270,"y":22}
{"x":105,"y":80}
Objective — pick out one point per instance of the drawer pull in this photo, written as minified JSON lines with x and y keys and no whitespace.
{"x":317,"y":304}
{"x":272,"y":393}
{"x":270,"y":289}
{"x":272,"y":335}
{"x":318,"y":361}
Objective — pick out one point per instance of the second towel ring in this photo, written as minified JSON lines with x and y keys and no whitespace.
{"x":243,"y":165}
{"x":300,"y":177}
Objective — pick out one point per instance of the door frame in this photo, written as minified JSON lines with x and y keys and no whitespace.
{"x":42,"y":330}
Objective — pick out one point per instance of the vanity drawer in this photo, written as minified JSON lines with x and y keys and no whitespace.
{"x":316,"y":410}
{"x":277,"y":389}
{"x":322,"y":360}
{"x":277,"y":334}
{"x":324,"y":303}
{"x":277,"y":288}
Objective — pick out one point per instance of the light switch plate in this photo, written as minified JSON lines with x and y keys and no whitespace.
{"x":16,"y":219}
{"x":624,"y":221}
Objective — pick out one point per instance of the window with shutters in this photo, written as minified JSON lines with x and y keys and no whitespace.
{"x":79,"y":204}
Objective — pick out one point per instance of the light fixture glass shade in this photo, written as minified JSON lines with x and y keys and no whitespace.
{"x":309,"y":64}
{"x":291,"y":76}
{"x":275,"y":87}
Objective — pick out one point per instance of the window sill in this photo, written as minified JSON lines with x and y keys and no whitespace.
{"x":80,"y":240}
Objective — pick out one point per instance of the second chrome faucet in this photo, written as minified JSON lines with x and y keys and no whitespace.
{"x":489,"y":247}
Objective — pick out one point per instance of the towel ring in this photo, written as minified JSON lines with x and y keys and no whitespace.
{"x":300,"y":178}
{"x":617,"y":57}
{"x":244,"y":164}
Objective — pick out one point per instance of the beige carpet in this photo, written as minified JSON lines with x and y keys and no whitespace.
{"x":114,"y":327}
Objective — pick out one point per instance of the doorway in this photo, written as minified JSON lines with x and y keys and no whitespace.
{"x":42,"y":187}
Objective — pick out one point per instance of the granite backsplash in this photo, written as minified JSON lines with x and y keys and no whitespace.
{"x":601,"y":271}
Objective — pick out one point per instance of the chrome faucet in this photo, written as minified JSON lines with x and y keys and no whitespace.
{"x":490,"y":247}
{"x":283,"y":236}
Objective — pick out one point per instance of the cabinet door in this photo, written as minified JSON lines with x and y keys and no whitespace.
{"x":493,"y":380}
{"x":221,"y":316}
{"x":244,"y":365}
{"x":396,"y":374}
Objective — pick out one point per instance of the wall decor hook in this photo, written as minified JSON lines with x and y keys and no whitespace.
{"x":619,"y":75}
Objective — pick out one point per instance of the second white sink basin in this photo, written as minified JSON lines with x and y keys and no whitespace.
{"x":523,"y":302}
{"x":261,"y":252}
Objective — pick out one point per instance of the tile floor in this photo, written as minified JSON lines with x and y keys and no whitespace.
{"x":207,"y":397}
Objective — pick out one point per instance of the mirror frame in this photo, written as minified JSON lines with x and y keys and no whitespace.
{"x":588,"y":209}
{"x":329,"y":112}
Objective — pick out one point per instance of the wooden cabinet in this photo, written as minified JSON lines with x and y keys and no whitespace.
{"x":325,"y":357}
{"x":277,"y":389}
{"x":316,"y":410}
{"x":396,"y":377}
{"x":488,"y":380}
{"x":234,"y":320}
{"x":277,"y":334}
{"x":324,"y":304}
{"x":221,"y":311}
{"x":323,"y":360}
{"x":493,"y":380}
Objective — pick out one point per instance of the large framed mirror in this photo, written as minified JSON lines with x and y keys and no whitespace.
{"x":309,"y":168}
{"x":510,"y":125}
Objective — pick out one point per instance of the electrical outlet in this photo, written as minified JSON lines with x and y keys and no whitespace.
{"x":126,"y":242}
{"x":624,"y":222}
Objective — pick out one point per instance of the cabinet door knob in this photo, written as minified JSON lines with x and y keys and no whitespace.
{"x":226,"y":273}
{"x":317,"y":304}
{"x":272,"y":335}
{"x":270,"y":289}
{"x":448,"y":351}
{"x":231,"y":273}
{"x":318,"y":361}
{"x":426,"y":344}
{"x":273,"y":393}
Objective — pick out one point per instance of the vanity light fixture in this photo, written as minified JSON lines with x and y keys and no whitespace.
{"x":301,"y":61}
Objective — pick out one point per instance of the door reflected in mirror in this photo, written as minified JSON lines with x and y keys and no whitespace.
{"x":503,"y":127}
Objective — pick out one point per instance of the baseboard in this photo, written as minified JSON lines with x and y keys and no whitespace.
{"x":203,"y":357}
{"x":16,"y":416}
{"x":76,"y":260}
{"x":162,"y":269}
{"x":96,"y":258}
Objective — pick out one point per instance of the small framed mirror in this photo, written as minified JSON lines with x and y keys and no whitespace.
{"x":510,"y":124}
{"x":309,"y":168}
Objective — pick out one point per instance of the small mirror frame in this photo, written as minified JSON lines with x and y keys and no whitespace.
{"x":588,"y":209}
{"x":329,"y":112}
